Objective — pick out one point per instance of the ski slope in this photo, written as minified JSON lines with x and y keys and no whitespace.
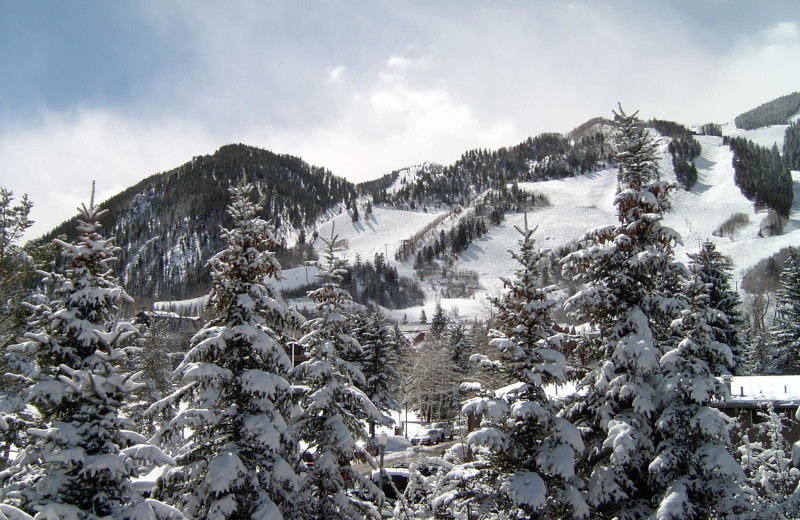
{"x":578,"y":204}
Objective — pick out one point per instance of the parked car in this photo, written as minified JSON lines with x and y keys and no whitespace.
{"x":398,"y":477}
{"x":427,"y":436}
{"x":445,"y":427}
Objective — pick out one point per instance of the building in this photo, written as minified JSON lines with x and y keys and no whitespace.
{"x":750,"y":395}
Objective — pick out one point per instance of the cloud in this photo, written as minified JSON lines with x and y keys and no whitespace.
{"x":400,"y":116}
{"x":335,"y":74}
{"x":55,"y":158}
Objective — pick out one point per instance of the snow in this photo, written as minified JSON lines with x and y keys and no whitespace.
{"x":526,"y":488}
{"x":765,"y":136}
{"x":784,"y":390}
{"x":224,"y":472}
{"x":383,"y":232}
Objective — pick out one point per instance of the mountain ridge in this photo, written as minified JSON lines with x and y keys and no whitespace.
{"x":168,"y":223}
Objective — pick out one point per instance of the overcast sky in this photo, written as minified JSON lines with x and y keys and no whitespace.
{"x":118,"y":91}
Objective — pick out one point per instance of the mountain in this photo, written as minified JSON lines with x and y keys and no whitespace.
{"x":168,"y":225}
{"x":449,"y":225}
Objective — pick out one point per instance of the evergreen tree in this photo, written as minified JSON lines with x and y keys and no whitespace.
{"x":81,"y":453}
{"x":16,"y":267}
{"x":240,"y":460}
{"x":378,"y":364}
{"x":786,"y":331}
{"x":439,"y":321}
{"x":149,"y":355}
{"x":694,"y":474}
{"x":766,"y":457}
{"x":523,"y":448}
{"x":714,"y":271}
{"x":629,"y":270}
{"x":333,"y":408}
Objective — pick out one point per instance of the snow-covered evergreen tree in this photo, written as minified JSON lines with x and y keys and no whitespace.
{"x":239,"y":459}
{"x":149,"y":356}
{"x":694,"y":474}
{"x":786,"y":331}
{"x":332,"y":407}
{"x":378,"y":364}
{"x":715,"y":271}
{"x":630,"y":273}
{"x":81,"y":454}
{"x":524,"y":451}
{"x":766,"y":457}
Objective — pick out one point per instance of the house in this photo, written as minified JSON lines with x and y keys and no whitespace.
{"x":750,"y":395}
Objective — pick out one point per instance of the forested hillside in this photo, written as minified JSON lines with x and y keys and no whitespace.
{"x":775,"y":112}
{"x":546,"y":156}
{"x":168,"y":224}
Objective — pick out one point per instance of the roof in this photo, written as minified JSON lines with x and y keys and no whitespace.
{"x":783,"y":391}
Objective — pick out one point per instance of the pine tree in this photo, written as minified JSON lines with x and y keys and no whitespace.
{"x":81,"y":453}
{"x":694,"y":474}
{"x":714,"y":270}
{"x":523,"y":448}
{"x":786,"y":332}
{"x":332,"y":407}
{"x":239,"y":460}
{"x":629,"y":271}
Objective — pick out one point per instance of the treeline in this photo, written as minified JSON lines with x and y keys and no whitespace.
{"x":762,"y":175}
{"x":457,"y":239}
{"x":377,"y":283}
{"x":791,"y":147}
{"x":775,"y":112}
{"x":684,"y":149}
{"x":489,"y":210}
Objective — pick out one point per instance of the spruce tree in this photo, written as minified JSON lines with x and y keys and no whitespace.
{"x":81,"y":453}
{"x":714,"y":270}
{"x":766,"y":457}
{"x":439,"y":321}
{"x":630,"y":273}
{"x":694,"y":474}
{"x":786,"y":331}
{"x":524,"y":449}
{"x":378,"y":363}
{"x":239,"y":460}
{"x":333,"y":409}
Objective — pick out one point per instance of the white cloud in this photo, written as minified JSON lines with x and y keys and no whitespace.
{"x":335,"y":74}
{"x":55,"y":159}
{"x":394,"y":119}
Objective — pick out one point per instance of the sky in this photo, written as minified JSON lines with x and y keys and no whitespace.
{"x":118,"y":91}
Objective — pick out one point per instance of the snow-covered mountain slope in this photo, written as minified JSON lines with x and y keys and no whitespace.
{"x":765,"y":136}
{"x":578,"y":204}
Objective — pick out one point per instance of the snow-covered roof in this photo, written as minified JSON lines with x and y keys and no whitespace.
{"x":754,"y":390}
